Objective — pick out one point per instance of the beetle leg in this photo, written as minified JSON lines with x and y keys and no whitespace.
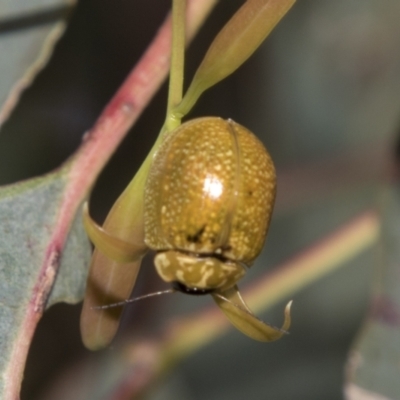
{"x":233,"y":306}
{"x":112,"y":247}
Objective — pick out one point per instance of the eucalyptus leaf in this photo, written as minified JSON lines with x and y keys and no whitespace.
{"x":28,"y":32}
{"x":373,"y":366}
{"x":110,"y":281}
{"x":29,"y":212}
{"x":236,"y":310}
{"x":234,"y":44}
{"x":70,"y":282}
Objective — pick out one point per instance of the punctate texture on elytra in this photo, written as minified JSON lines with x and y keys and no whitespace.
{"x":210,"y":191}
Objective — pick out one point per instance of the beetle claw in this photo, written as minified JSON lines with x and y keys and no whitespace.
{"x":112,"y":247}
{"x":233,"y":306}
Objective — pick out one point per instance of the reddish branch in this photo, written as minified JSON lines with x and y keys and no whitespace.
{"x":83,"y":168}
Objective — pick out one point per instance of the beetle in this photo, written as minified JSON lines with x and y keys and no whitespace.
{"x":208,"y":202}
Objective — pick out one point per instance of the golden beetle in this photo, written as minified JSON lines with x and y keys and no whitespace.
{"x":208,"y":202}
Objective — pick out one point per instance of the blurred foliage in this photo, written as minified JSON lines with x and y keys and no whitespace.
{"x":373,"y":367}
{"x":323,"y":96}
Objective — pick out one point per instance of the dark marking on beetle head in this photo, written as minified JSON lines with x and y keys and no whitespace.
{"x":180,"y":287}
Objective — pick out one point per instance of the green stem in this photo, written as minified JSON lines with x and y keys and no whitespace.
{"x":177,"y":63}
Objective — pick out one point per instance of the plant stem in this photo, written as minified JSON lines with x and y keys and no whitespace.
{"x":177,"y":63}
{"x":85,"y":165}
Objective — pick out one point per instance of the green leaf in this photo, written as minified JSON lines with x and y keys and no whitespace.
{"x":111,"y":279}
{"x":30,"y":248}
{"x":70,"y":282}
{"x":373,"y":365}
{"x":236,"y":310}
{"x":234,"y":44}
{"x":28,"y":32}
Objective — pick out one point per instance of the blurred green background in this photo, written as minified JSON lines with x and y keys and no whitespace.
{"x":322,"y":94}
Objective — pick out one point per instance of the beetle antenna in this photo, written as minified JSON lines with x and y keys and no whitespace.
{"x":128,"y":301}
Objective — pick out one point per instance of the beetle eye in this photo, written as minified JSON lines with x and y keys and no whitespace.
{"x":180,"y":287}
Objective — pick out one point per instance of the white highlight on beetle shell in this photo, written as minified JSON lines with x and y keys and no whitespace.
{"x":212,"y":187}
